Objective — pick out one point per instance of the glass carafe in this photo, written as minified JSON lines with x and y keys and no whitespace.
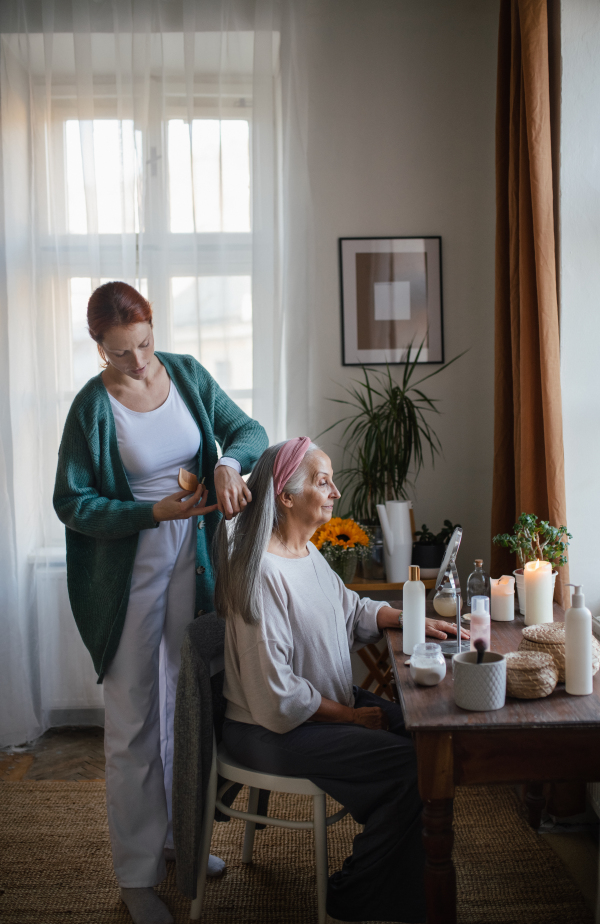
{"x":478,"y":583}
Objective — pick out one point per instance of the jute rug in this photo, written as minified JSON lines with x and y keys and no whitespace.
{"x":55,"y":863}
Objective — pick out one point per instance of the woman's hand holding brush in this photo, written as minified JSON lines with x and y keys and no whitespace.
{"x":174,"y":507}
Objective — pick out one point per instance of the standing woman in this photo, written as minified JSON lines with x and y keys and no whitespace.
{"x":138,"y":569}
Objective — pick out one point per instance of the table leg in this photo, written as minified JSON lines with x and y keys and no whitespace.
{"x":535,"y":801}
{"x":440,"y":876}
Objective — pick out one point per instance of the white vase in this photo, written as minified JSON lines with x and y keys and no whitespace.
{"x":394,"y":517}
{"x":520,"y":582}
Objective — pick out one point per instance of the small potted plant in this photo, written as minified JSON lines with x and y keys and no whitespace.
{"x":533,"y":539}
{"x":342,"y":542}
{"x":428,"y":550}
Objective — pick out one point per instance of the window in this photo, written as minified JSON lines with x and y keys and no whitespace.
{"x":180,"y":214}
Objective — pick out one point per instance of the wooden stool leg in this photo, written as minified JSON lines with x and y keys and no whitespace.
{"x":367,"y":660}
{"x":320,"y":832}
{"x":379,"y":670}
{"x":384,"y":688}
{"x":440,"y":875}
{"x":535,"y":800}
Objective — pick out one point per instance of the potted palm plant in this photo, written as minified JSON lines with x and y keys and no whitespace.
{"x":387,"y":437}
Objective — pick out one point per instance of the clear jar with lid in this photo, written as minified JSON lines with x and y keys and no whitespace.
{"x":427,"y":664}
{"x":444,"y":602}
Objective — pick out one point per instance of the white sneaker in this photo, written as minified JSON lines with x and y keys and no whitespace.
{"x":216,"y":866}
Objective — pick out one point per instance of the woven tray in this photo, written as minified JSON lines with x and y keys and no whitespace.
{"x":550,"y":638}
{"x":530,"y":674}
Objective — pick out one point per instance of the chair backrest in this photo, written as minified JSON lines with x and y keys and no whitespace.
{"x":206,"y":639}
{"x":200,"y":708}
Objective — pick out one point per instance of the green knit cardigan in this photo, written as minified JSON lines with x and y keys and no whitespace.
{"x":93,"y":499}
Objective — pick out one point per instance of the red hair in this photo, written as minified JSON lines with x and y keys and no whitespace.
{"x":116,"y":304}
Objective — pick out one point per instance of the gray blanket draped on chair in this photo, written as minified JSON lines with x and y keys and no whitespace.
{"x":199,"y":706}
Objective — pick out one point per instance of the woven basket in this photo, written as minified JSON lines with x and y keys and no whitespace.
{"x":530,"y":674}
{"x":550,"y":638}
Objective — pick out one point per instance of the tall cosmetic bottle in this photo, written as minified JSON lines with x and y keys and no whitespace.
{"x":578,"y":645}
{"x":413,"y":610}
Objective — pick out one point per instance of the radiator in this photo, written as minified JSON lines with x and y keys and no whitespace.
{"x":69,"y":693}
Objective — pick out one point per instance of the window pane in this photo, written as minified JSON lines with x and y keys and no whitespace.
{"x":112,"y":152}
{"x":209,"y":182}
{"x":235,"y":159}
{"x":180,"y":178}
{"x":85,"y":356}
{"x":206,"y":147}
{"x":75,"y":186}
{"x":212,"y":321}
{"x":86,"y":360}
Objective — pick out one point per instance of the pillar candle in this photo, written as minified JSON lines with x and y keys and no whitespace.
{"x":503,"y":598}
{"x":538,"y":592}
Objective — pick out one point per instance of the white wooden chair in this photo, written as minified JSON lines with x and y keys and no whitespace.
{"x":225,"y":766}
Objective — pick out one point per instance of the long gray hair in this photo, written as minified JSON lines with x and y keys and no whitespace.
{"x":239,"y":547}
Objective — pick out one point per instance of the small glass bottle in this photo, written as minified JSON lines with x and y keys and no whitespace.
{"x":478,"y":582}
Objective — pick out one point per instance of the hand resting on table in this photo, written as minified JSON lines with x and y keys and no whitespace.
{"x":439,"y":628}
{"x":387,"y":618}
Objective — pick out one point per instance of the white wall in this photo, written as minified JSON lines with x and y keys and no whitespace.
{"x":401,"y":142}
{"x":580,"y":285}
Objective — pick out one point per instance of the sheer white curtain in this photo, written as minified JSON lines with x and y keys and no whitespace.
{"x":160,"y":142}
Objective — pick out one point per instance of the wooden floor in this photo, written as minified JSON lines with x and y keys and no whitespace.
{"x":60,"y":754}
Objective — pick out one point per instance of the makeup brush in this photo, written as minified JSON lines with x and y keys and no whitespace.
{"x":480,"y":648}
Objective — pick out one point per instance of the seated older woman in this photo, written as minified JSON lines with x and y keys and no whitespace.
{"x":292,"y":708}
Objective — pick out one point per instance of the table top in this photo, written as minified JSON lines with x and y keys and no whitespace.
{"x":429,"y":708}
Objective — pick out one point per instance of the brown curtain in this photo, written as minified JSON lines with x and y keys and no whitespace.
{"x":528,"y":441}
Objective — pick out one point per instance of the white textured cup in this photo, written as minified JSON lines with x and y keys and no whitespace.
{"x":479,"y":687}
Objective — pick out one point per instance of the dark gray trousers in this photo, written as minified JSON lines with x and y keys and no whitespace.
{"x":374,"y":775}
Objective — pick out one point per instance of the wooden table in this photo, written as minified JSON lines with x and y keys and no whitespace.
{"x":531,"y":741}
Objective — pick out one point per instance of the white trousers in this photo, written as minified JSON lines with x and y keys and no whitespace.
{"x":139,"y":699}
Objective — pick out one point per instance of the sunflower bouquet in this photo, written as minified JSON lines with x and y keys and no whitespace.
{"x":342,"y":542}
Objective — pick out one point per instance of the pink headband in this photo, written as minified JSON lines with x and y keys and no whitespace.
{"x":288,"y":460}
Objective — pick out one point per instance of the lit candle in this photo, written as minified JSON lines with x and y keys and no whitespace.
{"x":538,"y":592}
{"x":503,"y":598}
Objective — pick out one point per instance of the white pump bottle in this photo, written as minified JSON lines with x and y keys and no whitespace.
{"x":413,"y":610}
{"x":578,"y":645}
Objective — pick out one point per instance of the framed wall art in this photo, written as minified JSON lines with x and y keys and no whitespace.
{"x":391,"y":291}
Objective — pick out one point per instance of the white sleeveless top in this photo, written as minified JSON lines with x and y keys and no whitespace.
{"x":154,"y":445}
